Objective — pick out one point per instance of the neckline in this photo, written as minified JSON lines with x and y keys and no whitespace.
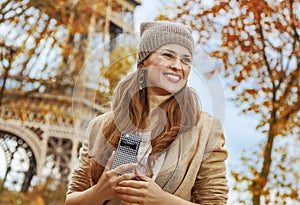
{"x":155,"y":100}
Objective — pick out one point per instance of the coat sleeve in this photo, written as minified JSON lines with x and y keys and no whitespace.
{"x":80,"y":179}
{"x":94,"y":149}
{"x":211,"y":184}
{"x":81,"y":175}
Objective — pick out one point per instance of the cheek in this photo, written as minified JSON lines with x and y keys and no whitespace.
{"x":155,"y":62}
{"x":187,"y":72}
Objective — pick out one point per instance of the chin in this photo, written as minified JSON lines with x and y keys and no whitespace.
{"x":173,"y":91}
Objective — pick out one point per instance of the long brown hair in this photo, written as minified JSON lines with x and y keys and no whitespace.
{"x":182,"y":111}
{"x":130,"y":109}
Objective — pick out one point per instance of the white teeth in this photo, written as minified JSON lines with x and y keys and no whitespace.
{"x":174,"y":77}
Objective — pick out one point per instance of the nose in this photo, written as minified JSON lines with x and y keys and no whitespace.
{"x":176,"y":64}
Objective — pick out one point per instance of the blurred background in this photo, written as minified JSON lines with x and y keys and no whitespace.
{"x":60,"y":61}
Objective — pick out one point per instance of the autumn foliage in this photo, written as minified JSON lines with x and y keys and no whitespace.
{"x":256,"y":41}
{"x":44,"y":47}
{"x":258,"y":44}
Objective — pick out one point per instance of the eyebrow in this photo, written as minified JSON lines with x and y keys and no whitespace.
{"x":171,"y":51}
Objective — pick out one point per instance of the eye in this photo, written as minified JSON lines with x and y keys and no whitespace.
{"x":186,"y":61}
{"x":168,"y":55}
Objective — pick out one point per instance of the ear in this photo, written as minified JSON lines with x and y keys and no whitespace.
{"x":140,"y":65}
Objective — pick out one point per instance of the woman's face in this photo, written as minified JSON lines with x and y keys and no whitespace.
{"x":167,"y":69}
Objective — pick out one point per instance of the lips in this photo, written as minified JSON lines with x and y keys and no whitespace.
{"x":172,"y":77}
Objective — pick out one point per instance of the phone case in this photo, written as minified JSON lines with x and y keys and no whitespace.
{"x":127,"y":150}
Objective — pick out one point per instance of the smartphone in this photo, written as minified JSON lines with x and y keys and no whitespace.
{"x":127,"y":150}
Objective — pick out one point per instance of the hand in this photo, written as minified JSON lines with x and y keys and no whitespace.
{"x":110,"y":178}
{"x":141,"y":191}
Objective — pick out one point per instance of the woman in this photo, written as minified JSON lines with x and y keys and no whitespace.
{"x":181,"y":156}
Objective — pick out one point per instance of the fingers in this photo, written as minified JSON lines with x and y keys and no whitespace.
{"x":114,"y":177}
{"x":128,"y":203}
{"x":133,"y":184}
{"x":140,"y":175}
{"x":125,"y":167}
{"x":142,"y":178}
{"x":123,"y":177}
{"x":130,"y":196}
{"x":132,"y":200}
{"x":132,"y":191}
{"x":111,"y":179}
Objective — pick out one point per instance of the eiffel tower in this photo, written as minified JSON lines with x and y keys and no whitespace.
{"x":35,"y":145}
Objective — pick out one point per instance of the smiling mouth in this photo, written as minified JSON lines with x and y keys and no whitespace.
{"x":172,"y":78}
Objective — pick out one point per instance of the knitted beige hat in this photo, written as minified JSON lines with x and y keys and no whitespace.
{"x":155,"y":34}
